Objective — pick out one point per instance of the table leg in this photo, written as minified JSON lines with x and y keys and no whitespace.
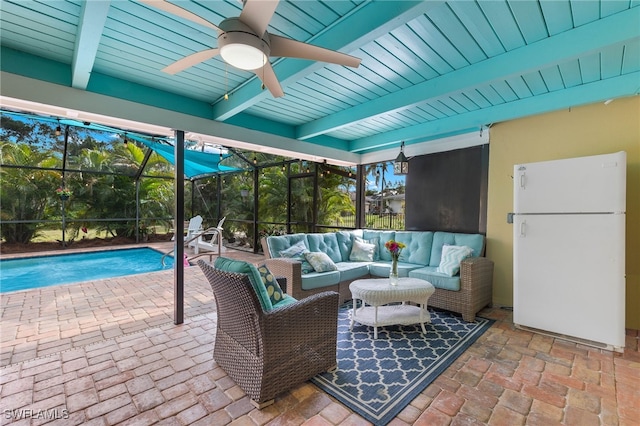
{"x":375,"y":321}
{"x":353,"y":313}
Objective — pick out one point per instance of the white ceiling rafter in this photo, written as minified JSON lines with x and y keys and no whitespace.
{"x":92,"y":19}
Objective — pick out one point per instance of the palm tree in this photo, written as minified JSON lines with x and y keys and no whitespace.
{"x":27,"y":194}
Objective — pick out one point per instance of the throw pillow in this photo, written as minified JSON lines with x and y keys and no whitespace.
{"x":374,"y":241}
{"x":232,"y":265}
{"x":451,"y":258}
{"x":321,"y":262}
{"x":297,"y":252}
{"x":271,"y":284}
{"x":362,"y":251}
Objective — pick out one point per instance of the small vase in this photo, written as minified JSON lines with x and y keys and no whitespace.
{"x":64,"y":197}
{"x":393,"y":274}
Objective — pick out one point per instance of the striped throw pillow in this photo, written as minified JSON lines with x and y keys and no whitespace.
{"x":451,"y":258}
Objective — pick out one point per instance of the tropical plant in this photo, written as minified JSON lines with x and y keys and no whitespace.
{"x":27,"y":194}
{"x":334,"y":201}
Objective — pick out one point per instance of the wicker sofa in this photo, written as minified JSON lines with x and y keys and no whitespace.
{"x":466,"y":293}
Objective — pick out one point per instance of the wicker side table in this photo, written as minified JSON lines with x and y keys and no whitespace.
{"x":378,"y":293}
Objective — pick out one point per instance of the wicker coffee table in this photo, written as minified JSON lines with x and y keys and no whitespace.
{"x":378,"y":293}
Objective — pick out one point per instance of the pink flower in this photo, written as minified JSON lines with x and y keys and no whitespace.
{"x":394,"y":248}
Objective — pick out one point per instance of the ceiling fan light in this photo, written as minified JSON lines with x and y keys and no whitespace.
{"x":243,"y":56}
{"x":243,"y":51}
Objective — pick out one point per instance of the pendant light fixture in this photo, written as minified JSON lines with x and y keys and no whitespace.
{"x":401,"y":163}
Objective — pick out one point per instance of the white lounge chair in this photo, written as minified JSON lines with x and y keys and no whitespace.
{"x":195,"y":228}
{"x":215,"y":243}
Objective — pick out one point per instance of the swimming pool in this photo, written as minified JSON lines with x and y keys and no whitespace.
{"x":43,"y":271}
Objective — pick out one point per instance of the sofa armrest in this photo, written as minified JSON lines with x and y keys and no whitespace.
{"x":265,"y":248}
{"x":290,"y":269}
{"x":476,"y":282}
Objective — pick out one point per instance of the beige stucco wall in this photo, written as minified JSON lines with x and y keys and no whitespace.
{"x":590,"y":130}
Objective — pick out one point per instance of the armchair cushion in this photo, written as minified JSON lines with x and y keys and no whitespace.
{"x":232,"y":265}
{"x":268,"y":353}
{"x":271,"y":284}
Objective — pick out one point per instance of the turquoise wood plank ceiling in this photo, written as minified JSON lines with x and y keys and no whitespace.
{"x":429,"y":69}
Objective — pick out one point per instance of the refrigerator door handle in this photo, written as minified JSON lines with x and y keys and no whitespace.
{"x":523,"y":228}
{"x":522,"y":181}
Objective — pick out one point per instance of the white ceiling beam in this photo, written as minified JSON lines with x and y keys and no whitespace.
{"x":92,"y":19}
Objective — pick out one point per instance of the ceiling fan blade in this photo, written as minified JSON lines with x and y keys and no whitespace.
{"x":178,"y":11}
{"x":191,"y":60}
{"x":288,"y":48}
{"x":257,"y":14}
{"x":269,"y":79}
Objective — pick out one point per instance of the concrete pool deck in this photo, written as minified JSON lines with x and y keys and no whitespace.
{"x":107,"y":352}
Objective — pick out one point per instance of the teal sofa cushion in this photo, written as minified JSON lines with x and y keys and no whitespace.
{"x":437,"y":279}
{"x":345,"y":243}
{"x":315,"y":280}
{"x":278,"y":243}
{"x":350,"y":271}
{"x":297,"y":252}
{"x":325,"y":243}
{"x":232,"y":265}
{"x":382,"y":269}
{"x":418,"y":246}
{"x":382,"y":237}
{"x":475,"y":241}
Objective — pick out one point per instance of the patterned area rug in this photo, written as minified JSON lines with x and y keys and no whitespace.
{"x":378,"y":378}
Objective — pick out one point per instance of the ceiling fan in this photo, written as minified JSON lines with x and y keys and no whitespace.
{"x":244,"y":43}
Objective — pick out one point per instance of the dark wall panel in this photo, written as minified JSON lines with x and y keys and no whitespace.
{"x":447,"y":191}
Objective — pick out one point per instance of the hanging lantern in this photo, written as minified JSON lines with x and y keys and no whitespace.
{"x":401,"y":163}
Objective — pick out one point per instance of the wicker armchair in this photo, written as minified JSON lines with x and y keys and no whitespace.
{"x":267,"y":353}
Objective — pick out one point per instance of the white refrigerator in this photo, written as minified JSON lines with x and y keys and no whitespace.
{"x":569,"y":249}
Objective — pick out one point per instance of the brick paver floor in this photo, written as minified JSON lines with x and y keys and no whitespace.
{"x":107,"y":352}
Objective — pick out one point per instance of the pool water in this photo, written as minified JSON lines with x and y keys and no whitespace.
{"x":44,"y":271}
